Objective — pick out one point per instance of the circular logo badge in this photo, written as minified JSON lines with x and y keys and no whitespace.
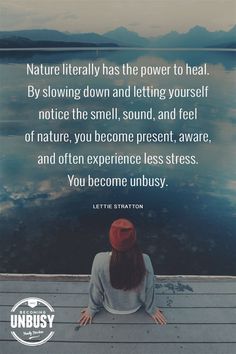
{"x":32,"y":321}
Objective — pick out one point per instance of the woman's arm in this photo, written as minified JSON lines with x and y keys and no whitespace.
{"x":95,"y":295}
{"x":150,"y":303}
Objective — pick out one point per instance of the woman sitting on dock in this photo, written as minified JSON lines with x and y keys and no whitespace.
{"x":122,"y":280}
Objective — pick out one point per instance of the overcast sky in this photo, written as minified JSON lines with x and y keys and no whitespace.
{"x":147,"y":17}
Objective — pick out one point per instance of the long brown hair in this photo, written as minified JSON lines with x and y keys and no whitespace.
{"x":127,"y":269}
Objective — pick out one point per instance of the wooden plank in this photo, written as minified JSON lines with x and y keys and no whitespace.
{"x":174,"y":287}
{"x":42,"y":286}
{"x":186,"y":300}
{"x":190,"y":308}
{"x":173,"y":315}
{"x":45,"y":277}
{"x":86,"y":277}
{"x":211,"y":287}
{"x":138,"y":333}
{"x":120,"y":348}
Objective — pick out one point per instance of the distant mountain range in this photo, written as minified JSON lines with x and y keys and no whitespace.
{"x":21,"y":42}
{"x":196,"y":37}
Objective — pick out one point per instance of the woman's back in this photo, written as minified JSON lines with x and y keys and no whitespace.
{"x":119,"y":300}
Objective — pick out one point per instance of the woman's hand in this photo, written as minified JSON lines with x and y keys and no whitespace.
{"x":159,"y":318}
{"x":85,"y":317}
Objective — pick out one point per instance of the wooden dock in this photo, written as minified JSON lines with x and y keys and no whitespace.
{"x":201,"y":314}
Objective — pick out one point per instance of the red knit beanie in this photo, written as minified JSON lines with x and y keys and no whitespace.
{"x":122,"y":235}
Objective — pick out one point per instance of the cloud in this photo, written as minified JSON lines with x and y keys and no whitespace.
{"x":147,"y":17}
{"x":32,"y":194}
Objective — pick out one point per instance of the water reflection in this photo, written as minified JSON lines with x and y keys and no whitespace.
{"x":186,"y":228}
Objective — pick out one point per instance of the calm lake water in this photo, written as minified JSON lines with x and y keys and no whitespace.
{"x":187,"y":228}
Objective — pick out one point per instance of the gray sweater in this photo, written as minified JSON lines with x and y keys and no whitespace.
{"x":102,"y":294}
